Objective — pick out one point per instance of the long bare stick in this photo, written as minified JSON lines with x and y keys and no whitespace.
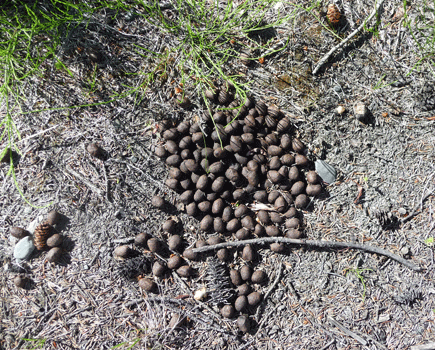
{"x":345,"y":41}
{"x":312,"y":243}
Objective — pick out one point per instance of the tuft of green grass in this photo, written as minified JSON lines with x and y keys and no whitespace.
{"x":31,"y":343}
{"x":30,"y":34}
{"x":359,"y":274}
{"x":429,"y":241}
{"x":211,"y":37}
{"x":127,"y":345}
{"x":422,"y":29}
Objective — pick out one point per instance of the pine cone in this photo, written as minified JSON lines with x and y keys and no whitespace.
{"x":42,"y":232}
{"x":218,"y":282}
{"x":333,"y":15}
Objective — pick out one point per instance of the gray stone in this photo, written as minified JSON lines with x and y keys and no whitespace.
{"x":24,"y":248}
{"x":402,"y":211}
{"x":360,"y":109}
{"x":361,"y":112}
{"x":326,"y":172}
{"x":405,"y":251}
{"x":340,"y":110}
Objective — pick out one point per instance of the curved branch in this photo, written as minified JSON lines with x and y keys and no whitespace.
{"x":312,"y":243}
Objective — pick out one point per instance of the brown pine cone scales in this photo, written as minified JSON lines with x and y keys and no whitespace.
{"x":42,"y":232}
{"x":333,"y":15}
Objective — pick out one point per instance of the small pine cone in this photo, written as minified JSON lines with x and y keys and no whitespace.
{"x":333,"y":15}
{"x":42,"y":232}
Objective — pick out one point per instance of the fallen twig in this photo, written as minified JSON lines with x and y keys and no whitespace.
{"x":126,"y":240}
{"x":37,"y":134}
{"x":312,"y":243}
{"x":107,"y":182}
{"x":345,"y":41}
{"x":355,"y":336}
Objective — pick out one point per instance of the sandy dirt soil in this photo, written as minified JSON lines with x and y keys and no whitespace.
{"x":313,"y":298}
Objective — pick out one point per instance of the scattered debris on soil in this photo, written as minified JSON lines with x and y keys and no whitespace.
{"x":130,"y":267}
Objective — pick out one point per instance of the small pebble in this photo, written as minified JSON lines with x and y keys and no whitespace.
{"x":340,"y":110}
{"x":402,"y":211}
{"x":24,"y":248}
{"x":361,"y":111}
{"x":326,"y":171}
{"x":200,"y":294}
{"x":405,"y":251}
